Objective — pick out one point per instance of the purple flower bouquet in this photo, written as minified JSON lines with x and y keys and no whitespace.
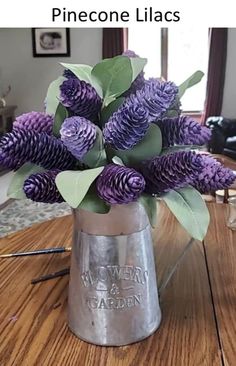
{"x":112,"y":145}
{"x":119,"y":137}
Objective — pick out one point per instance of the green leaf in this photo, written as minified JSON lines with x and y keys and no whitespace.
{"x":110,"y":109}
{"x":190,"y":210}
{"x":93,"y":203}
{"x":114,"y":76}
{"x":83,"y":72}
{"x":73,"y":185}
{"x":60,"y":115}
{"x":147,"y":148}
{"x":150,"y":204}
{"x":171,"y":113}
{"x":15,"y":189}
{"x":53,"y":93}
{"x":191,"y":81}
{"x":137,"y":64}
{"x":97,"y":155}
{"x":116,"y":160}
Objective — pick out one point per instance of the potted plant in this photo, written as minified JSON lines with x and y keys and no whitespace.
{"x":112,"y":144}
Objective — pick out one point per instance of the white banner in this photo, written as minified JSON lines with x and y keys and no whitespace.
{"x":121,"y":13}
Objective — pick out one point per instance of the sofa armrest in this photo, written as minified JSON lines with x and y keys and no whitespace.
{"x":217,"y":142}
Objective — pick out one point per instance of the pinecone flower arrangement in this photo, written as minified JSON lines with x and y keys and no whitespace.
{"x":114,"y":140}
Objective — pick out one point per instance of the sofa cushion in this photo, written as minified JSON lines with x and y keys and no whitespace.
{"x":231,"y":143}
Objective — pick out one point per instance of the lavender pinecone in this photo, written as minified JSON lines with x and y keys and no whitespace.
{"x":21,"y":146}
{"x":41,"y":187}
{"x":118,"y":184}
{"x":80,"y":98}
{"x":129,"y":53}
{"x":172,"y":171}
{"x":157,"y":96}
{"x":127,"y":126}
{"x":36,"y":121}
{"x":213,"y":176}
{"x":183,"y":131}
{"x":78,"y":134}
{"x":138,"y":83}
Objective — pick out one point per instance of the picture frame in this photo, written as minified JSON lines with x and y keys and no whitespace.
{"x":51,"y":42}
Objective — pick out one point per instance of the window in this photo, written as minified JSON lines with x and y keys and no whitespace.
{"x":174,"y":54}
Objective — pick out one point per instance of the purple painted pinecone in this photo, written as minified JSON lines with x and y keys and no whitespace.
{"x":172,"y":171}
{"x":138,"y":83}
{"x":78,"y":134}
{"x":69,"y":74}
{"x":129,"y":53}
{"x":36,"y":121}
{"x":80,"y":98}
{"x":41,"y":187}
{"x":157,"y":96}
{"x":118,"y":184}
{"x":21,"y":146}
{"x":127,"y":126}
{"x":183,"y":131}
{"x":213,"y":176}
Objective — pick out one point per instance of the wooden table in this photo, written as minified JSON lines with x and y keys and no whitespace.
{"x":199,"y":304}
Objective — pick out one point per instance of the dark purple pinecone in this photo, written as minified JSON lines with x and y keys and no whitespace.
{"x":119,"y":184}
{"x":41,"y":187}
{"x":69,"y":74}
{"x":138,"y":83}
{"x":80,"y":98}
{"x":172,"y":171}
{"x":36,"y":121}
{"x":213,"y":176}
{"x":22,"y":146}
{"x":183,"y":131}
{"x":78,"y":134}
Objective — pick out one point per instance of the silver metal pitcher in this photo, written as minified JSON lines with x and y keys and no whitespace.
{"x":113,"y":297}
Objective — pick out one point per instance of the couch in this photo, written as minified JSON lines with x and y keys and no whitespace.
{"x":223,"y":140}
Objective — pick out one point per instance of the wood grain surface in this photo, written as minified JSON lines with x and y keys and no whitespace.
{"x":220,"y":245}
{"x":33,"y":327}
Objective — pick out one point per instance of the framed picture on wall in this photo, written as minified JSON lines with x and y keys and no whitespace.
{"x":51,"y":42}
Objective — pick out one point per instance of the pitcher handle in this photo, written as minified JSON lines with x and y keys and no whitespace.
{"x":173,"y":268}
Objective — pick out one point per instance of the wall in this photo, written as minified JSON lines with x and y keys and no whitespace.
{"x":229,"y":99}
{"x":29,"y":77}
